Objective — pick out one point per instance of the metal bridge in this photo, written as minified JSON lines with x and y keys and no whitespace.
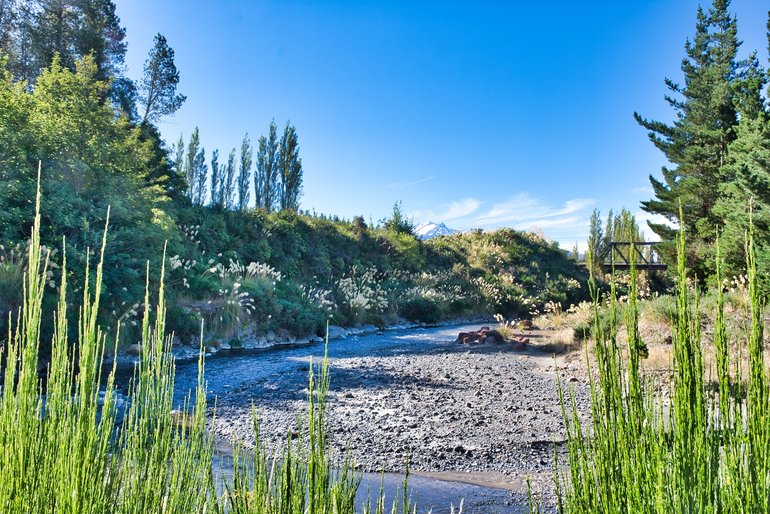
{"x":618,"y":256}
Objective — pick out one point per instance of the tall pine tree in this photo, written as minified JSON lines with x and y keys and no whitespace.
{"x":99,"y":33}
{"x":696,"y":144}
{"x":157,"y":90}
{"x":745,"y":200}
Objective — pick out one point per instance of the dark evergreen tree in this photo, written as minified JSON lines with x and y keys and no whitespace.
{"x":290,"y":166}
{"x":745,"y":200}
{"x":54,"y":32}
{"x":697,"y":142}
{"x":244,"y":173}
{"x":9,"y":13}
{"x":99,"y":33}
{"x":22,"y":61}
{"x":157,"y":90}
{"x":33,"y":31}
{"x":161,"y":173}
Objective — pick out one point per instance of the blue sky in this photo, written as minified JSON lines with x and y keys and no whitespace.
{"x":477,"y":114}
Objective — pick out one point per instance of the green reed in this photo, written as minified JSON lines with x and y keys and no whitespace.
{"x":695,"y":442}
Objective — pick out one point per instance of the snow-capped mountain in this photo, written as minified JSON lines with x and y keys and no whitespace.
{"x":429,"y":230}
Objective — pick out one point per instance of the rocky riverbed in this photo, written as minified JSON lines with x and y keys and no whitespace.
{"x":484,"y":414}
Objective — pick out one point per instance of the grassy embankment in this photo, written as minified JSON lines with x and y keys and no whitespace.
{"x":68,"y":445}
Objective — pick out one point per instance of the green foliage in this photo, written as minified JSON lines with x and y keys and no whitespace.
{"x":423,"y":310}
{"x":91,"y":160}
{"x":718,"y":146}
{"x":399,"y":223}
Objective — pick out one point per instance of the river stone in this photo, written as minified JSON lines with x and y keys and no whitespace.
{"x":336,"y":332}
{"x":134,"y":350}
{"x":369,"y":329}
{"x":270,"y":336}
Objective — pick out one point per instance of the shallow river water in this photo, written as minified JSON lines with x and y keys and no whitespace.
{"x":237,"y":371}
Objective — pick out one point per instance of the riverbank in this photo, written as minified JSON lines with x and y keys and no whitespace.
{"x":484,"y":414}
{"x":129,"y":356}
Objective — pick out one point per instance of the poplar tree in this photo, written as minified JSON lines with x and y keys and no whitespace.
{"x":266,"y":178}
{"x":228,"y":186}
{"x":290,"y":166}
{"x":244,"y":173}
{"x":196,"y":169}
{"x":215,"y":187}
{"x":178,"y":160}
{"x":696,"y":143}
{"x":201,"y":174}
{"x":595,"y":241}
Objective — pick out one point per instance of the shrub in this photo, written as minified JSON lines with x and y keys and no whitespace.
{"x":423,"y":310}
{"x":183,"y":323}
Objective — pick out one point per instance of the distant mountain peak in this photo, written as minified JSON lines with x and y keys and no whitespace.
{"x":430,"y":229}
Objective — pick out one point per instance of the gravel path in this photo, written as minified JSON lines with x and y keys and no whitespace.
{"x":482,"y":414}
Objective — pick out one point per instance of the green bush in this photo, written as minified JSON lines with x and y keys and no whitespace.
{"x":422,"y":310}
{"x":184,"y":323}
{"x":582,"y":331}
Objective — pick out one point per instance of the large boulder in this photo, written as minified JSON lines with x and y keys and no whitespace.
{"x":483,"y":335}
{"x":336,"y":332}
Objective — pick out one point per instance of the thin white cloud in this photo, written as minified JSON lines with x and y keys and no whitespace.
{"x":524,"y":207}
{"x":460,"y":209}
{"x":550,"y":223}
{"x":403,"y":185}
{"x":455,"y":210}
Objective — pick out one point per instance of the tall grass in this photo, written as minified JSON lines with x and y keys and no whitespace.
{"x":677,"y":445}
{"x":67,"y":446}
